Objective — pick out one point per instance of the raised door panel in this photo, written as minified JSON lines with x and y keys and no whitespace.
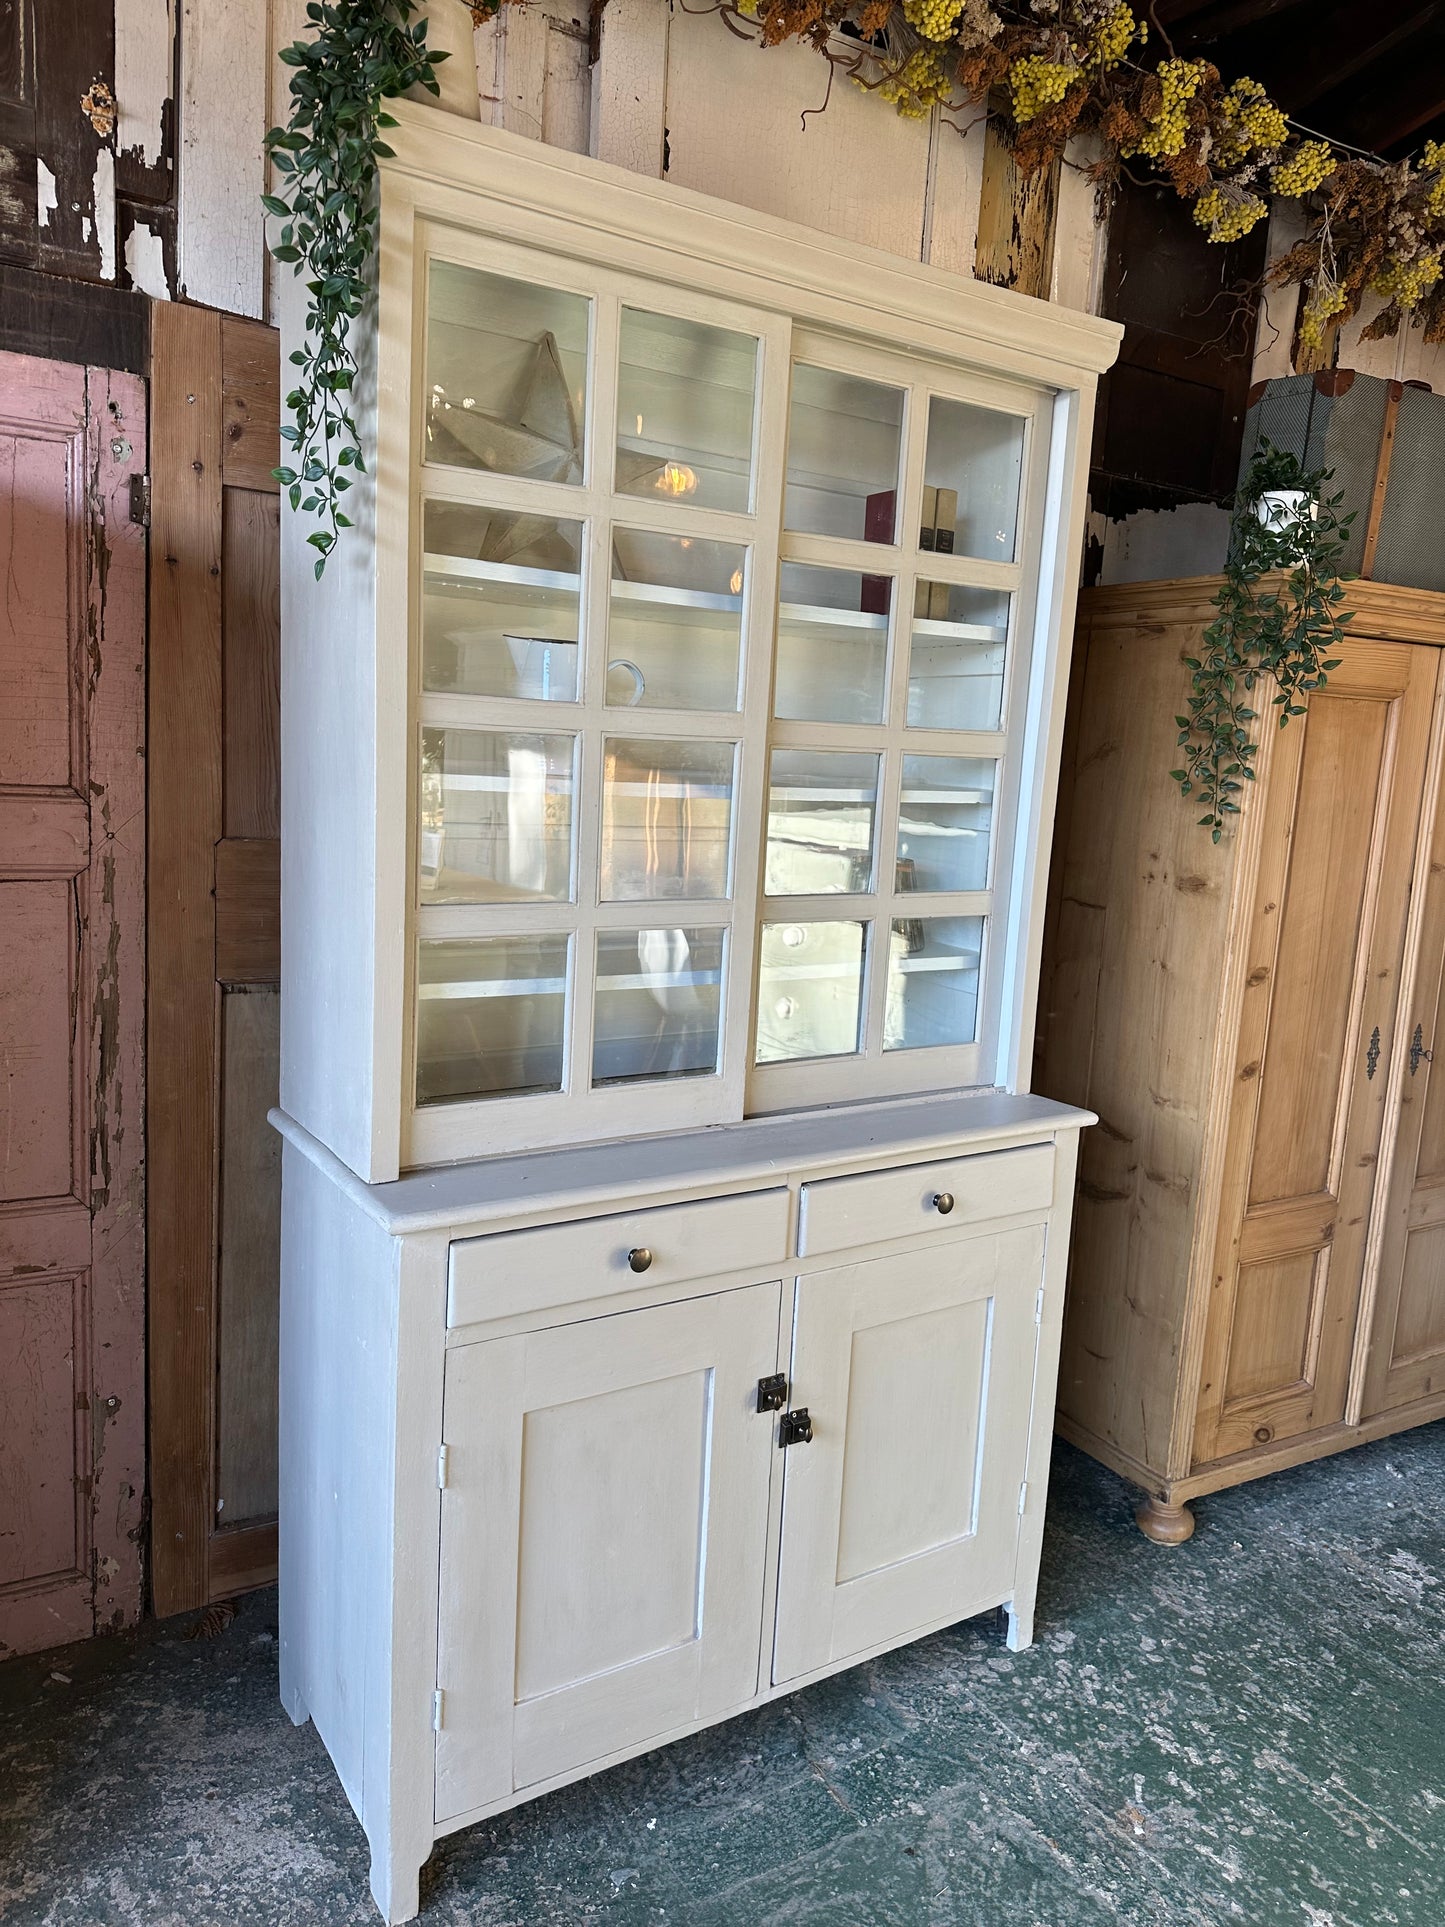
{"x":1326,"y":940}
{"x":72,"y":890}
{"x":604,"y":1530}
{"x":903,"y":1510}
{"x":1406,"y":1362}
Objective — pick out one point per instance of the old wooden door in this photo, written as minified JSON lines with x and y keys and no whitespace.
{"x":72,"y":935}
{"x":1311,"y":1071}
{"x":1407,"y":1343}
{"x":215,"y":954}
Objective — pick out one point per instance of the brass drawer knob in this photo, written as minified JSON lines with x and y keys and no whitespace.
{"x":943,"y":1202}
{"x":639,"y":1257}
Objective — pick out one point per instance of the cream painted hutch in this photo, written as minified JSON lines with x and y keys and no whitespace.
{"x":672,"y":1254}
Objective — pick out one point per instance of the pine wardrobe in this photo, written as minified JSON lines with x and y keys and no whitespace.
{"x":672,"y":1251}
{"x":1258,"y":1271}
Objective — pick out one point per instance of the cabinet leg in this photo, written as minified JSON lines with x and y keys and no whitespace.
{"x":1020,"y":1626}
{"x":395,"y":1887}
{"x":1166,"y":1525}
{"x":291,"y":1700}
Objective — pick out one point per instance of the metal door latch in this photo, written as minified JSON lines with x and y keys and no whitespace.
{"x":1418,"y":1051}
{"x":795,"y":1428}
{"x":1372,"y":1055}
{"x":773,"y":1392}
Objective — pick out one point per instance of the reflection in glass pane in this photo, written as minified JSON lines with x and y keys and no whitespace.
{"x":832,"y":652}
{"x":974,"y":461}
{"x":821,"y":807}
{"x":685,"y":411}
{"x":658,"y":996}
{"x":496,"y":817}
{"x":499,"y":603}
{"x":810,"y":990}
{"x":956,"y":659}
{"x":675,"y":632}
{"x":489,"y":1016}
{"x":843,"y":441}
{"x":506,"y":370}
{"x":933,"y":965}
{"x":944,"y":819}
{"x":667,"y":810}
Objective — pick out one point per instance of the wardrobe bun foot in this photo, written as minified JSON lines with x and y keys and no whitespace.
{"x":1166,"y":1525}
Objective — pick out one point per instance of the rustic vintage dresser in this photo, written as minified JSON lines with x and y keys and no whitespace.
{"x":673,"y":1256}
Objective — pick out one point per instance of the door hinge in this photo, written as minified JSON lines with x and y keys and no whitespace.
{"x":438,"y":1704}
{"x":1039,"y":1307}
{"x":140,"y":500}
{"x":444,"y":1459}
{"x":1023,"y":1497}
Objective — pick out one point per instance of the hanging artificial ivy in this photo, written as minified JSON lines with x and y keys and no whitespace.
{"x":360,"y":53}
{"x":1050,"y":69}
{"x":1278,"y":621}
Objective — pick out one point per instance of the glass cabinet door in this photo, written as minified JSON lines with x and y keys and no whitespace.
{"x":720,"y":637}
{"x":892,"y":765}
{"x":593,"y":600}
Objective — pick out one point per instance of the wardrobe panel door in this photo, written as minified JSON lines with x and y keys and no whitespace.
{"x":903,"y":1510}
{"x":1326,"y":938}
{"x":1407,"y":1341}
{"x":604,"y":1530}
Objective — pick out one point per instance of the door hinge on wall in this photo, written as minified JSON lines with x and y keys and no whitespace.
{"x":140,"y":500}
{"x":438,"y":1704}
{"x":1039,"y":1307}
{"x":444,"y":1454}
{"x":1023,"y":1497}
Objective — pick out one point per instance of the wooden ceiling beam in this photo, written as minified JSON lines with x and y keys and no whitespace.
{"x":1339,"y":58}
{"x":1211,"y":20}
{"x":1396,"y":103}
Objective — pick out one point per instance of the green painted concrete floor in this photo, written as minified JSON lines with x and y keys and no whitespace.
{"x":1250,"y":1728}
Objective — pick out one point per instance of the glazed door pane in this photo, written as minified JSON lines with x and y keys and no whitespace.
{"x":658,"y":1004}
{"x":595,"y":1589}
{"x":490,"y":1016}
{"x":956,"y":657}
{"x":667,"y":811}
{"x":496,"y":817}
{"x":501,"y":604}
{"x":821,"y":811}
{"x":844,"y":439}
{"x":675,"y":624}
{"x":810,"y":990}
{"x":685,"y":402}
{"x":974,"y":466}
{"x":506,"y":370}
{"x":832,"y":657}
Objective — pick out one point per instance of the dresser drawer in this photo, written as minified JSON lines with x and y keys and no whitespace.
{"x":840,"y":1214}
{"x":562,"y":1264}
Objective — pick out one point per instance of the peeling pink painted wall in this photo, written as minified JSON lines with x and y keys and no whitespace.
{"x":72,"y":1000}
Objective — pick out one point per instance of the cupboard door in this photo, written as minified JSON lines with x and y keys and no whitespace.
{"x":604,"y":1526}
{"x":903,"y":1511}
{"x":1326,"y":937}
{"x":1407,"y":1342}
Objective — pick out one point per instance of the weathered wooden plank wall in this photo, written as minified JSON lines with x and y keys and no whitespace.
{"x":131,"y":136}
